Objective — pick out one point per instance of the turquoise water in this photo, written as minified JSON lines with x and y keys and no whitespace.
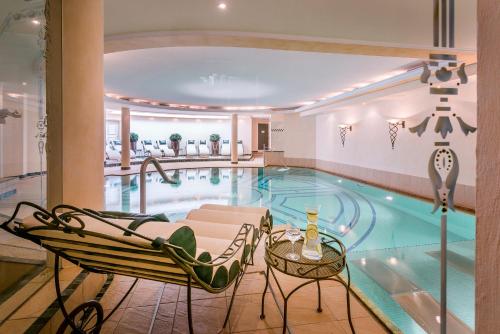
{"x":373,"y":223}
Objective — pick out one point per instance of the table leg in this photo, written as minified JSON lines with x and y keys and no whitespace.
{"x":348,"y":297}
{"x":262,"y":315}
{"x":285,"y":314}
{"x":319,"y":298}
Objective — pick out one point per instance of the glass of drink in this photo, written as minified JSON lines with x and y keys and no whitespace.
{"x":312,"y":212}
{"x":293,"y":234}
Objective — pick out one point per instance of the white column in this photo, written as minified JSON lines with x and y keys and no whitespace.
{"x":488,"y":169}
{"x":125,"y":138}
{"x":1,"y":132}
{"x":234,"y":138}
{"x":75,"y":103}
{"x":25,"y":133}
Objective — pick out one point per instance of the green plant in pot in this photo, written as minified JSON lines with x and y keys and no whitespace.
{"x":214,"y":139}
{"x":175,"y":140}
{"x":215,"y":176}
{"x":134,"y":138}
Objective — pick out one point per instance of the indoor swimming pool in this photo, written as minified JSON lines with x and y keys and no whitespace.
{"x":393,"y":240}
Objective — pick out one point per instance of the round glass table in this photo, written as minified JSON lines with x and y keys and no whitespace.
{"x":329,"y":267}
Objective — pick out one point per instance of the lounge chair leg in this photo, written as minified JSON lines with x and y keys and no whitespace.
{"x":236,"y":285}
{"x":190,"y":315}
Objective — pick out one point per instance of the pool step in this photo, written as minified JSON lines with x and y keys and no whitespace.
{"x":457,"y":261}
{"x":388,"y":279}
{"x":419,"y":304}
{"x":424,"y":309}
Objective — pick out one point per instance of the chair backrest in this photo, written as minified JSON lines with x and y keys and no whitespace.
{"x":147,"y":142}
{"x":115,"y":143}
{"x":240,"y":141}
{"x":162,"y":142}
{"x":191,"y":142}
{"x":225,"y":141}
{"x":203,"y":142}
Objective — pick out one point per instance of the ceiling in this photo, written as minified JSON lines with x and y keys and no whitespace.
{"x":223,"y":76}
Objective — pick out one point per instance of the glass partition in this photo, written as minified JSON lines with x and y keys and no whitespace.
{"x":22,"y":140}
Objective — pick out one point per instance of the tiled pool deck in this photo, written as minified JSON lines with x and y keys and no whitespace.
{"x":169,"y":303}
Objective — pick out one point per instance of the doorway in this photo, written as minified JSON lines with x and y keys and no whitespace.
{"x":263,"y":137}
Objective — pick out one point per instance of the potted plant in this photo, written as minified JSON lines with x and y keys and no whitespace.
{"x":214,"y":139}
{"x":175,"y":139}
{"x":134,"y":138}
{"x":215,"y":178}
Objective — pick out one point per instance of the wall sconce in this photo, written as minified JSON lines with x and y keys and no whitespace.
{"x":393,"y":129}
{"x":343,"y":131}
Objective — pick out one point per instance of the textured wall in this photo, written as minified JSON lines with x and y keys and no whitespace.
{"x":488,"y":170}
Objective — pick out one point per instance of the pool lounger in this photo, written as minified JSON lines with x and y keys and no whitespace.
{"x":240,"y":147}
{"x":112,"y":154}
{"x":150,"y":150}
{"x":117,"y":146}
{"x":165,"y":150}
{"x":191,"y":149}
{"x":203,"y":148}
{"x":209,"y":250}
{"x":225,"y":148}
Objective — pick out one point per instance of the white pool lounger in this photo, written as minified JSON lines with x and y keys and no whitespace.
{"x":203,"y":148}
{"x":191,"y":149}
{"x":165,"y":150}
{"x":226,"y":148}
{"x":150,"y":149}
{"x":240,"y":148}
{"x":117,"y":146}
{"x":112,"y":154}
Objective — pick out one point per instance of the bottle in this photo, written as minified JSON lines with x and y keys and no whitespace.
{"x":312,"y":243}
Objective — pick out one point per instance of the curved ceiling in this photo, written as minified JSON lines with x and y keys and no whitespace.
{"x":222,"y":76}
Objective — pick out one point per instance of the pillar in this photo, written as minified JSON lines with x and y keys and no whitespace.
{"x":488,"y":170}
{"x":75,"y":103}
{"x":125,"y":138}
{"x":234,"y":138}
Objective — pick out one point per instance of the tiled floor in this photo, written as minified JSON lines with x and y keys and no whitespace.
{"x":136,"y":313}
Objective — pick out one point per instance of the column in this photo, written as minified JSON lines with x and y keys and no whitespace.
{"x":234,"y":138}
{"x":75,"y":103}
{"x":125,"y":138}
{"x":488,"y":169}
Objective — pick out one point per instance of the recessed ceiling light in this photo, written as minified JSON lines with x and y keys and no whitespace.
{"x":222,"y":6}
{"x":24,"y":83}
{"x":35,"y":22}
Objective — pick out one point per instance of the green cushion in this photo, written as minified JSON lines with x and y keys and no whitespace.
{"x":221,"y":278}
{"x":204,"y":272}
{"x":184,"y":237}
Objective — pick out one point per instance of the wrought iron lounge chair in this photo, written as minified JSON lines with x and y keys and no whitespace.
{"x":191,"y":149}
{"x":203,"y":149}
{"x":205,"y":253}
{"x":150,"y":150}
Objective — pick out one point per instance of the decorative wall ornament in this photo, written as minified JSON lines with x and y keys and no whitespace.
{"x":393,"y":130}
{"x":343,"y":132}
{"x":4,"y":113}
{"x":443,"y":165}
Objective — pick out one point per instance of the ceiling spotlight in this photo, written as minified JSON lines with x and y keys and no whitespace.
{"x":222,"y":6}
{"x":36,"y":22}
{"x":24,"y":83}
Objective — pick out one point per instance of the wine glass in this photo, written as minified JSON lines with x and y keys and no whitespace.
{"x":293,"y":234}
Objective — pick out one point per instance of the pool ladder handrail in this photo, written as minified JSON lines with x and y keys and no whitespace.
{"x":144,"y":167}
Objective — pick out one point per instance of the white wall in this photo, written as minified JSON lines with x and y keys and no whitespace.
{"x":368,"y":144}
{"x":189,"y":128}
{"x":300,"y":138}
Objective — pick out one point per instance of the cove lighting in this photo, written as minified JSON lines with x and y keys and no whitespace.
{"x":307,"y":103}
{"x":14,"y":95}
{"x":175,"y":116}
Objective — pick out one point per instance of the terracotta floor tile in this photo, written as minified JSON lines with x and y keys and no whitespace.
{"x":245,"y":315}
{"x":366,"y":325}
{"x":335,"y":299}
{"x":135,"y":320}
{"x":327,"y":327}
{"x":146,"y":295}
{"x":170,"y":293}
{"x":205,"y":319}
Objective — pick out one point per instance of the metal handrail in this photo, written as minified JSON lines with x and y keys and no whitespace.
{"x":144,"y":167}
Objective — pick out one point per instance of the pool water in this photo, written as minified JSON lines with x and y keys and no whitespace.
{"x":392,"y":240}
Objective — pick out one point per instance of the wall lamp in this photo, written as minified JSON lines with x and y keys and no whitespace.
{"x":343,"y":131}
{"x":393,"y":129}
